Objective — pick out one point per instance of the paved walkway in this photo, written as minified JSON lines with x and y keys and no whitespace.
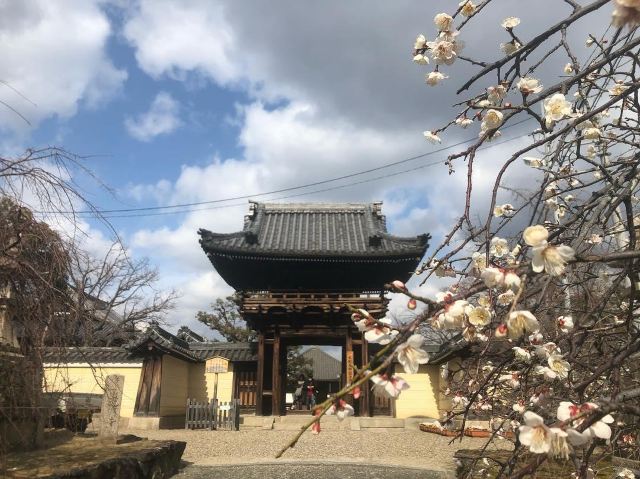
{"x":403,"y":448}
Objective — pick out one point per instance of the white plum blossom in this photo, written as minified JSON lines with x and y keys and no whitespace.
{"x":434,"y":78}
{"x":411,"y":355}
{"x":496,"y":93}
{"x":626,"y":13}
{"x":556,"y":108}
{"x":512,"y":379}
{"x":511,"y":281}
{"x":444,"y":51}
{"x":565,"y":323}
{"x":592,"y":133}
{"x":420,"y":43}
{"x":559,"y":366}
{"x":506,"y":298}
{"x":536,"y":338}
{"x":503,"y":210}
{"x":460,"y":400}
{"x":454,"y":312}
{"x":499,"y":247}
{"x":492,"y":119}
{"x":546,"y":257}
{"x":379,"y":331}
{"x":529,"y":85}
{"x":463,"y":121}
{"x":389,"y":386}
{"x":521,"y":354}
{"x":341,"y":410}
{"x":478,"y":316}
{"x":537,"y":436}
{"x":468,"y":8}
{"x":534,"y":162}
{"x":569,"y":412}
{"x":510,"y":47}
{"x":492,"y":277}
{"x":618,"y":89}
{"x":421,"y":59}
{"x":432,"y":137}
{"x":510,"y":22}
{"x":519,"y":407}
{"x":520,"y":323}
{"x":443,"y":21}
{"x":479,"y":260}
{"x":568,"y":68}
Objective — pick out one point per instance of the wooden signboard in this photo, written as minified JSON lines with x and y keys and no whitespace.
{"x":217,"y":365}
{"x":349,"y":365}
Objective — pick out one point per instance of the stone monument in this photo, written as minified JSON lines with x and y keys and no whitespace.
{"x":111,"y":403}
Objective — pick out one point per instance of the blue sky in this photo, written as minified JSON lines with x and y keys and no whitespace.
{"x":179,"y":102}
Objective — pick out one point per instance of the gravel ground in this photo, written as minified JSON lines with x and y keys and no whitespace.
{"x":405,"y":447}
{"x":317,"y":471}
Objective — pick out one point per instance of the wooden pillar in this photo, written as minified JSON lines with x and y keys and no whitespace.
{"x":365,"y":394}
{"x":260,"y":374}
{"x":276,"y":380}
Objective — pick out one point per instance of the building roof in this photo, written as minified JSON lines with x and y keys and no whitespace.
{"x":234,"y":352}
{"x":314,"y":229}
{"x":324,"y":366}
{"x":304,"y":246}
{"x":157,"y":338}
{"x":90,"y":355}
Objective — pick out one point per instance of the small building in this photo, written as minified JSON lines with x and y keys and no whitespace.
{"x":299,"y":268}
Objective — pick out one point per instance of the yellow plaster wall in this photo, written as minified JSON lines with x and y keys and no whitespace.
{"x":83,"y":378}
{"x":421,"y":399}
{"x":174,"y":386}
{"x":201,"y":383}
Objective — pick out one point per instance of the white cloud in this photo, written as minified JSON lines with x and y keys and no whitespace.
{"x":53,"y":53}
{"x":162,"y":118}
{"x":194,"y":38}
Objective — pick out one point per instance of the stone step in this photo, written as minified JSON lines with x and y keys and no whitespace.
{"x":294,"y":422}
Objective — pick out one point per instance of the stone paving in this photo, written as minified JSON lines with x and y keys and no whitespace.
{"x":402,"y":447}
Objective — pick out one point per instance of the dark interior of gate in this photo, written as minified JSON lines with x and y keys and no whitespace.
{"x":301,"y":269}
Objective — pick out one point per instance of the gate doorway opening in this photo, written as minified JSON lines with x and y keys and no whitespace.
{"x":314,"y":372}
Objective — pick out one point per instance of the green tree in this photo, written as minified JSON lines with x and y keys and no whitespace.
{"x":225,"y":319}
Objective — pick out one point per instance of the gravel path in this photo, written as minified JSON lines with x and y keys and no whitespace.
{"x":404,"y":447}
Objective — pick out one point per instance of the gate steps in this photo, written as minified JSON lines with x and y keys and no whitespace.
{"x":329,"y":423}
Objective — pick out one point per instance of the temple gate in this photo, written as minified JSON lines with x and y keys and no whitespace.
{"x":299,"y":267}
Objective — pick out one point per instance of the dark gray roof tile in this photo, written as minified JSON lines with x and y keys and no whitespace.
{"x":317,"y":229}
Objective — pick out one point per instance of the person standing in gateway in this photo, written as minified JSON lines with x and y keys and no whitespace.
{"x":311,"y":394}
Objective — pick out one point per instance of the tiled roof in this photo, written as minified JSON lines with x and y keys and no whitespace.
{"x":231,"y":351}
{"x":89,"y":355}
{"x":162,"y":340}
{"x":314,"y":229}
{"x":325,"y":367}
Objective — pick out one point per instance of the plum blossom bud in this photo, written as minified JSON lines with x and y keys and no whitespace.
{"x":412,"y":304}
{"x":502,"y":331}
{"x":399,"y":285}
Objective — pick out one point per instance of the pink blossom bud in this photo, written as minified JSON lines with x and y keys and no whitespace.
{"x":501,"y":331}
{"x":356,"y":392}
{"x":412,"y":304}
{"x":399,"y":285}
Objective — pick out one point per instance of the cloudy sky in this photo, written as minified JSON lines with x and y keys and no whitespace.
{"x":188,"y":101}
